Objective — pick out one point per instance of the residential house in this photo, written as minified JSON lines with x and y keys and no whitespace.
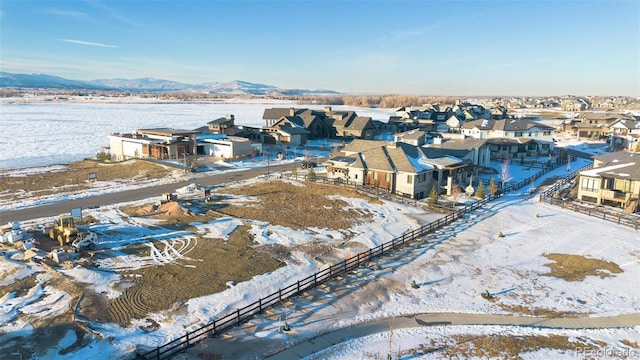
{"x":470,"y":150}
{"x":159,"y":143}
{"x":595,"y":125}
{"x":624,"y":134}
{"x":413,"y":137}
{"x":397,"y":167}
{"x":321,"y":124}
{"x":223,"y":146}
{"x":574,"y":105}
{"x":223,"y":125}
{"x":614,"y":180}
{"x":348,"y":124}
{"x":511,"y":138}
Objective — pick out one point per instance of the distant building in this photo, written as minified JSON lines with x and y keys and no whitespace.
{"x":159,"y":143}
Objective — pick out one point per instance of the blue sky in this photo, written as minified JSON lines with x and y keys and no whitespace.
{"x":411,"y":47}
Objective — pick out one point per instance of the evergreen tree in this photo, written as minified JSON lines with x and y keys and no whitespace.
{"x":311,"y":175}
{"x":433,"y":196}
{"x":493,"y":188}
{"x":480,"y":191}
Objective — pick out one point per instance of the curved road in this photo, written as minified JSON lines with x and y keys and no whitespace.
{"x":132,"y":195}
{"x":326,"y":340}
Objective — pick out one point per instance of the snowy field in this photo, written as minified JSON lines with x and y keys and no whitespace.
{"x":59,"y":133}
{"x":461,"y":262}
{"x":458,"y":264}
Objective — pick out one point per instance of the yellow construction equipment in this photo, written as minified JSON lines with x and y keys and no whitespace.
{"x":66,"y":233}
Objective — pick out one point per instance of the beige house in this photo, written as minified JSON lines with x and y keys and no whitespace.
{"x":614,"y":180}
{"x":397,"y":167}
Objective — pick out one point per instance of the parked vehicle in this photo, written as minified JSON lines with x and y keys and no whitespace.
{"x":308,"y":164}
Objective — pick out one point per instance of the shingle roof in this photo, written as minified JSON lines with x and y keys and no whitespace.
{"x":506,"y":125}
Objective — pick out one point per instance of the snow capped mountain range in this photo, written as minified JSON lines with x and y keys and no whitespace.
{"x":235,"y":87}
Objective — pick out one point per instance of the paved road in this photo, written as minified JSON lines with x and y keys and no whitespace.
{"x":132,"y":195}
{"x":326,"y":340}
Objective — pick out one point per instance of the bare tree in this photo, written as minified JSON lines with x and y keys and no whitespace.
{"x":505,"y":174}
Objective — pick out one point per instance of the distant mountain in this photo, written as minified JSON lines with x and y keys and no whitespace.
{"x":44,"y":81}
{"x":142,"y":84}
{"x":236,"y":87}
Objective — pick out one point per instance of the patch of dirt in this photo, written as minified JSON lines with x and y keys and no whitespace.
{"x":20,"y":287}
{"x":494,"y":346}
{"x":211,"y":264}
{"x":577,"y":267}
{"x":76,"y":176}
{"x":297,"y":207}
{"x":537,"y":311}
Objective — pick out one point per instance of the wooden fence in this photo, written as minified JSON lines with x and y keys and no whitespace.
{"x":598,"y":212}
{"x":240,"y":315}
{"x":549,"y":196}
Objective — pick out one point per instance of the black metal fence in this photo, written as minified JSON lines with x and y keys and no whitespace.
{"x":240,"y":315}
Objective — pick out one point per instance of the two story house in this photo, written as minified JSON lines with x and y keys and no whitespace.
{"x":614,"y":180}
{"x":511,"y":138}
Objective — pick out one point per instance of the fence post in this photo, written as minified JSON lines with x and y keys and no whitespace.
{"x":315,"y":278}
{"x":187,"y":339}
{"x":279,"y":294}
{"x":238,"y":312}
{"x":260,"y":306}
{"x":158,"y":352}
{"x":298,"y":291}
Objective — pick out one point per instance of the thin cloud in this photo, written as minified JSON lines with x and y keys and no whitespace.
{"x":88,"y":43}
{"x":69,"y":13}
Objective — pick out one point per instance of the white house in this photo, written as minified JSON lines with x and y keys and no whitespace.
{"x":512,"y":137}
{"x":222,"y":146}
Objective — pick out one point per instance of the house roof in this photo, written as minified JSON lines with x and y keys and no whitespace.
{"x":293,"y":130}
{"x":219,"y":121}
{"x":619,"y":165}
{"x":505,"y":125}
{"x":411,"y":135}
{"x":359,"y":145}
{"x":277,"y":113}
{"x":626,"y":123}
{"x":602,"y":116}
{"x":167,"y":132}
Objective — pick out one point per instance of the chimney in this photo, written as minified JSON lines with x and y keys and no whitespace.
{"x":327,"y":109}
{"x":292,"y":111}
{"x":229,"y":117}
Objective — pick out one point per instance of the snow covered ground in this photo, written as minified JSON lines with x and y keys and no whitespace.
{"x":460,"y":262}
{"x":59,"y":133}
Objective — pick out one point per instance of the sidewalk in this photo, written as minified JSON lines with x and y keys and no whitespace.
{"x":321,"y":342}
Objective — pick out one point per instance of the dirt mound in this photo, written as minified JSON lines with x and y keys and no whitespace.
{"x":170,"y":209}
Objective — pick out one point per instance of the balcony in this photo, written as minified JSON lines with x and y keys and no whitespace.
{"x":613,"y":195}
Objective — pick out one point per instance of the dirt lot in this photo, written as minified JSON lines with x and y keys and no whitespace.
{"x":76,"y":176}
{"x":210,"y":264}
{"x":214,"y":262}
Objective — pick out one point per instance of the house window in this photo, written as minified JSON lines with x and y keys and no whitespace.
{"x":409,"y":179}
{"x":545,"y":133}
{"x":387,"y":177}
{"x":531,"y":147}
{"x":590,"y":184}
{"x":518,"y":134}
{"x":622,"y":185}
